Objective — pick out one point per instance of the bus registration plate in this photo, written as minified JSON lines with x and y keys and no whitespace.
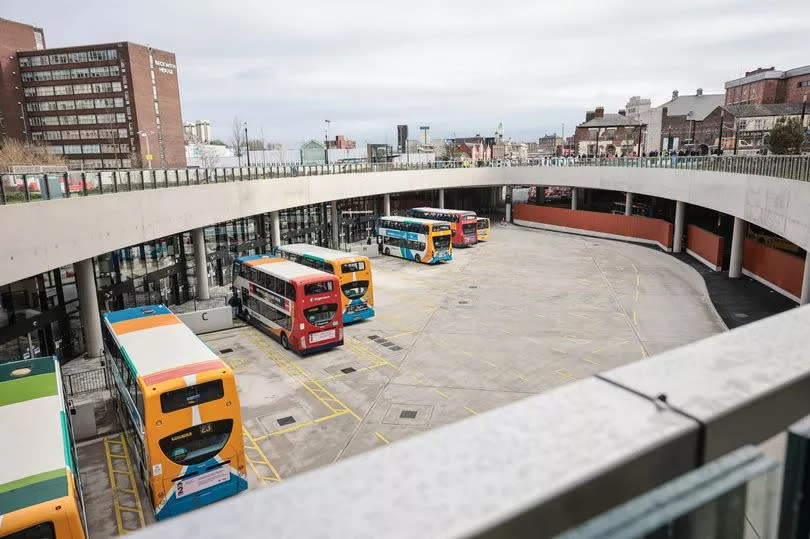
{"x":321,"y":336}
{"x":184,"y":487}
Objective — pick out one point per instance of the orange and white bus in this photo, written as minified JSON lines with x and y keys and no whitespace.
{"x":462,"y":223}
{"x":179,"y":408}
{"x":299,"y":305}
{"x":483,"y":228}
{"x":40,"y":486}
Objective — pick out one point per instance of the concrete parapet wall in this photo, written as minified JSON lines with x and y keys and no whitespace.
{"x":705,"y":246}
{"x":775,"y":268}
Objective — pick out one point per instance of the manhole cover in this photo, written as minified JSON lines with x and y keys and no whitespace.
{"x":388,"y":344}
{"x":473,"y":286}
{"x":226,"y":351}
{"x":463,"y":302}
{"x":347,"y":370}
{"x":396,"y":348}
{"x":373,"y":337}
{"x":286,"y":420}
{"x":407,"y":414}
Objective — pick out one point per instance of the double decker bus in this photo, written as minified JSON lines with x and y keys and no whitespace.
{"x":297,"y":304}
{"x":422,"y":240}
{"x":353,"y":273}
{"x":462,"y":223}
{"x":179,"y":408}
{"x":40,"y":488}
{"x":483,"y":228}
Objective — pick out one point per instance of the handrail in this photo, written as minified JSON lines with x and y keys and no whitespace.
{"x":19,"y":188}
{"x":544,"y":464}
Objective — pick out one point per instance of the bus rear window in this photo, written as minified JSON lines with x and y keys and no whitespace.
{"x":351,"y":267}
{"x":197,"y":444}
{"x":43,"y":530}
{"x":318,"y":288}
{"x":191,"y":396}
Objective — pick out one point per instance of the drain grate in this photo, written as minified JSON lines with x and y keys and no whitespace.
{"x":472,"y":286}
{"x":407,"y":414}
{"x":463,"y":302}
{"x":389,"y":344}
{"x":226,"y":351}
{"x":347,"y":370}
{"x":286,"y":420}
{"x":396,"y":348}
{"x":373,"y":337}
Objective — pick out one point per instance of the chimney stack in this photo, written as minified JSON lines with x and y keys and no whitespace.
{"x":700,"y":91}
{"x":599,"y":112}
{"x":674,"y":94}
{"x":589,"y":115}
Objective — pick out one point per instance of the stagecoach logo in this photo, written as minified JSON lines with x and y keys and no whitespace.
{"x":181,"y":436}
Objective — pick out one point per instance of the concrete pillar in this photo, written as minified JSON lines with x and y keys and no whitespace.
{"x":628,"y":204}
{"x":540,"y":195}
{"x":508,"y":207}
{"x":441,"y":198}
{"x":88,"y":303}
{"x":680,"y":217}
{"x":737,"y":243}
{"x":200,"y":263}
{"x":574,"y":198}
{"x":805,"y":299}
{"x":335,"y":225}
{"x":494,"y":195}
{"x":275,"y":229}
{"x":386,"y":204}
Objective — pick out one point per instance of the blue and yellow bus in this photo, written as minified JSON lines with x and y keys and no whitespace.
{"x":179,"y":408}
{"x":422,"y":240}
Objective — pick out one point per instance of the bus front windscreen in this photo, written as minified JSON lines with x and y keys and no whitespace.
{"x":440,"y":228}
{"x":321,"y":314}
{"x":317,"y":288}
{"x":469,"y":229}
{"x":441,"y":242}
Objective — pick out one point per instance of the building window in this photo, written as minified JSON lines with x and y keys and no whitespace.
{"x":91,"y":148}
{"x":59,"y":58}
{"x":106,"y":118}
{"x":84,"y":103}
{"x":43,"y":106}
{"x":67,"y":120}
{"x":66,"y":105}
{"x":31,"y":92}
{"x":97,"y":56}
{"x":61,"y":90}
{"x":116,"y":86}
{"x":37,"y":135}
{"x":78,"y":57}
{"x":803,"y":84}
{"x":52,"y":135}
{"x":82,"y":89}
{"x":39,"y":41}
{"x":126,"y":163}
{"x":70,"y":134}
{"x":43,"y":120}
{"x":81,"y":73}
{"x":92,"y":163}
{"x":120,"y":117}
{"x":72,"y":148}
{"x":89,"y":134}
{"x":85,"y":119}
{"x":55,"y":150}
{"x":61,"y":74}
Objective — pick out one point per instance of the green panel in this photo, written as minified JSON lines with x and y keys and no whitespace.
{"x":33,"y":490}
{"x":313,"y":257}
{"x":66,"y":440}
{"x":38,"y":365}
{"x":129,"y":361}
{"x":28,"y":388}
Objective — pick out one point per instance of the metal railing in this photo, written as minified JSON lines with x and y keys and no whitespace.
{"x":15,"y":188}
{"x":86,"y":382}
{"x":548,"y":463}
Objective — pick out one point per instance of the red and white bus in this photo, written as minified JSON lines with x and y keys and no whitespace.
{"x":464,"y":224}
{"x":298,"y":305}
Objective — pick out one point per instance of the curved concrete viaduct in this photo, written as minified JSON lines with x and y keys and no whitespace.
{"x":58,"y":232}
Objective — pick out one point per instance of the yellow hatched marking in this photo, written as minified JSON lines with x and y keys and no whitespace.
{"x":444,"y":395}
{"x":521,"y":376}
{"x":558,"y":350}
{"x":635,"y":318}
{"x":564,"y":373}
{"x":300,"y":425}
{"x":299,"y":375}
{"x":589,"y":360}
{"x":491,"y":364}
{"x":470,"y":410}
{"x":238,"y":364}
{"x":115,"y":447}
{"x":257,"y":459}
{"x":643,"y":351}
{"x":577,"y":340}
{"x":382,"y":438}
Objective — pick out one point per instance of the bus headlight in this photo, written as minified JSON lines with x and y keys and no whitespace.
{"x":303,"y":343}
{"x":334,"y":324}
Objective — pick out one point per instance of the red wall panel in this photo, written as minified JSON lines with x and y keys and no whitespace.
{"x":709,"y":246}
{"x":778,"y":267}
{"x":631,"y":226}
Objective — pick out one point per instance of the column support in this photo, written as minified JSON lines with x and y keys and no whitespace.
{"x":628,"y":203}
{"x":737,"y":244}
{"x":200,"y":263}
{"x":88,"y":303}
{"x":275,"y":229}
{"x":386,"y":204}
{"x":680,"y":218}
{"x":335,"y":225}
{"x":574,"y":198}
{"x":805,"y":299}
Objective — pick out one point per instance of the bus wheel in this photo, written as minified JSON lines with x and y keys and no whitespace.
{"x":387,"y":251}
{"x":285,"y":342}
{"x":417,"y":257}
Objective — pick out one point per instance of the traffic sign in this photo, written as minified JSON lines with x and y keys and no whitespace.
{"x":149,"y":157}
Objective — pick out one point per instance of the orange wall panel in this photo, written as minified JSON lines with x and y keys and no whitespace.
{"x":702,"y":242}
{"x":630,"y":226}
{"x":778,"y":267}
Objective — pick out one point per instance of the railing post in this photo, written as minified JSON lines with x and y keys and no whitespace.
{"x":84,"y":183}
{"x":154,"y":178}
{"x":26,"y":193}
{"x":66,"y":184}
{"x":100,"y":183}
{"x":46,"y":187}
{"x":129,"y":180}
{"x":115,"y":181}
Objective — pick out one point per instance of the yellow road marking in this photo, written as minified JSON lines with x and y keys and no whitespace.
{"x":635,"y":317}
{"x":589,"y":360}
{"x":521,"y":377}
{"x":442,"y":394}
{"x":558,"y":350}
{"x":491,"y":364}
{"x":299,"y":375}
{"x":600,"y":349}
{"x":638,"y":278}
{"x":577,"y":340}
{"x":539,"y":315}
{"x":565,"y":373}
{"x":300,"y":425}
{"x":636,"y":299}
{"x":262,"y":460}
{"x":382,"y":438}
{"x":121,"y":452}
{"x":470,"y":410}
{"x":643,"y":351}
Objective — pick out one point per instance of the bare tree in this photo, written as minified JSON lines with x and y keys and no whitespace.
{"x":14,"y":152}
{"x":208,"y":156}
{"x":237,"y":138}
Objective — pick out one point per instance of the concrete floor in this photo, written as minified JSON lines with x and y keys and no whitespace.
{"x":525,"y":312}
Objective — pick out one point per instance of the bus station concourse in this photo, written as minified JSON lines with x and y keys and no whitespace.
{"x":577,"y":348}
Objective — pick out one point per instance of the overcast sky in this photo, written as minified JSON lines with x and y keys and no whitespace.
{"x":459,"y":67}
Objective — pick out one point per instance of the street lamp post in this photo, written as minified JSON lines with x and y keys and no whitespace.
{"x":247,"y":145}
{"x":326,"y":141}
{"x":720,"y":133}
{"x":145,"y":135}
